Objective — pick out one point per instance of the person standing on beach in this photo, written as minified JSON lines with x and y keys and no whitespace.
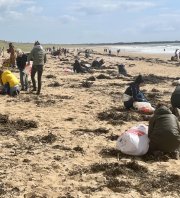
{"x":177,"y":52}
{"x":21,"y":63}
{"x":11,"y":50}
{"x":38,"y":56}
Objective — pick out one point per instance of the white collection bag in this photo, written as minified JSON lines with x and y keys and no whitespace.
{"x":144,"y":107}
{"x":134,"y":141}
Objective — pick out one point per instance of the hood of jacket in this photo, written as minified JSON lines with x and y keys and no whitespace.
{"x":162,"y":110}
{"x":38,"y":47}
{"x":7,"y":72}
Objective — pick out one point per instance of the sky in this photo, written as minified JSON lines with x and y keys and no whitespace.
{"x":89,"y":21}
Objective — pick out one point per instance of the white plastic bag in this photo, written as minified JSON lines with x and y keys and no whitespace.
{"x":126,"y":97}
{"x":144,"y":107}
{"x":134,"y":141}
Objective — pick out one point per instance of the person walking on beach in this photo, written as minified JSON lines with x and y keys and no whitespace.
{"x":38,"y":56}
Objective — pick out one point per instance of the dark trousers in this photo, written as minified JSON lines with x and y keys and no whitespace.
{"x":39,"y":70}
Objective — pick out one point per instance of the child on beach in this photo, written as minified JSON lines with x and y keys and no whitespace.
{"x":21,"y":63}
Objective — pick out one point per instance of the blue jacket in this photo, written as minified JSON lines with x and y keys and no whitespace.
{"x":133,"y":90}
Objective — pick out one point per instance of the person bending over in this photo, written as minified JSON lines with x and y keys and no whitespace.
{"x":133,"y":94}
{"x":10,"y":83}
{"x":164,"y":130}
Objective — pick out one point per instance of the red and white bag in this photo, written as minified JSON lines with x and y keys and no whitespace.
{"x":28,"y":69}
{"x":134,"y":141}
{"x":144,"y":107}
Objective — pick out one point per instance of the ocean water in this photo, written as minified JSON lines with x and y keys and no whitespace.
{"x":164,"y":48}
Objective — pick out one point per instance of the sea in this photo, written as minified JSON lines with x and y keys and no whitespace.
{"x":163,"y":48}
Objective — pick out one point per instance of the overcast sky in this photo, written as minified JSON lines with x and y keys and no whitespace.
{"x":89,"y":21}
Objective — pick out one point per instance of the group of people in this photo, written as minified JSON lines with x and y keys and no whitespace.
{"x":79,"y":67}
{"x":109,"y":51}
{"x":164,"y":129}
{"x":10,"y":83}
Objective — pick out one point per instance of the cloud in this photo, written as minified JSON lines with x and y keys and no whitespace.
{"x":64,"y":19}
{"x":34,"y":10}
{"x":161,"y":23}
{"x":9,"y":9}
{"x":103,"y":6}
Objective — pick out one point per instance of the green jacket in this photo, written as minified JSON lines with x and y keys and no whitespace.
{"x":38,"y":55}
{"x":164,"y":131}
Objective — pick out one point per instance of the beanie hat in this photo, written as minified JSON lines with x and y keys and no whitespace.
{"x":139,"y":80}
{"x":37,"y":43}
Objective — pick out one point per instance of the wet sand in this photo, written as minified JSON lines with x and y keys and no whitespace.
{"x":62,"y":143}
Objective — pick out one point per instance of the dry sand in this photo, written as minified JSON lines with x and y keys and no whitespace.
{"x":72,"y":152}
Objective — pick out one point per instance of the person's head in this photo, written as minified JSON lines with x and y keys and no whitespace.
{"x":19,"y":52}
{"x":159,"y":105}
{"x":162,"y":107}
{"x":76,"y":61}
{"x":37,"y":43}
{"x":10,"y":44}
{"x":101,"y":61}
{"x":139,"y":80}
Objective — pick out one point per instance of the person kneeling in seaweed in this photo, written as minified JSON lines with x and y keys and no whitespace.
{"x":10,"y":83}
{"x":133,"y":94}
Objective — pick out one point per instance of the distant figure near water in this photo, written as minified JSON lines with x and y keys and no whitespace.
{"x":177,"y":53}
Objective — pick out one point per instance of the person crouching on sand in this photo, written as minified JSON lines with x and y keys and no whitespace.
{"x":164,"y":131}
{"x":133,"y":94}
{"x":10,"y":83}
{"x":175,"y":97}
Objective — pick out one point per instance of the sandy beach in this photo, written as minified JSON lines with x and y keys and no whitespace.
{"x":62,"y":143}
